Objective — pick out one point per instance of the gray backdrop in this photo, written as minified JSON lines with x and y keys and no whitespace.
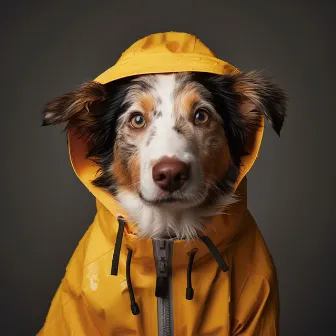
{"x":48,"y":48}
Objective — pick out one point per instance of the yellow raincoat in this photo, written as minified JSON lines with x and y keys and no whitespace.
{"x":240,"y":301}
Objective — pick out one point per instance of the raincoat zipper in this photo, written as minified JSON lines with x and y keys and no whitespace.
{"x":163,"y":252}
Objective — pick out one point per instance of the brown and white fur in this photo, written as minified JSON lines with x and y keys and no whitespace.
{"x":192,"y":124}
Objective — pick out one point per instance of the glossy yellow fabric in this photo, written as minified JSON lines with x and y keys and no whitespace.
{"x":166,"y":52}
{"x":242,"y":301}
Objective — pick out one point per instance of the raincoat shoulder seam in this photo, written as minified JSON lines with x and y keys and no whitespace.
{"x":250,"y":270}
{"x":61,"y":306}
{"x":251,"y":274}
{"x":101,"y":256}
{"x":71,"y":298}
{"x":242,"y":290}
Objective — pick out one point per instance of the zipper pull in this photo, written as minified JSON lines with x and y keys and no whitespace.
{"x":162,"y":271}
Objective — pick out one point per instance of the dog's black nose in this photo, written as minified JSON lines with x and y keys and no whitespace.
{"x":170,"y":174}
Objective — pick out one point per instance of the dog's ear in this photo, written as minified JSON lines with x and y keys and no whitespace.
{"x":257,"y":95}
{"x":77,"y":108}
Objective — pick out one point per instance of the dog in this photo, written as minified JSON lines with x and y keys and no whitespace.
{"x":165,"y":153}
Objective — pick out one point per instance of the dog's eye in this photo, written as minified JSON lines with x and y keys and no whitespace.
{"x":138,"y":121}
{"x":201,"y":117}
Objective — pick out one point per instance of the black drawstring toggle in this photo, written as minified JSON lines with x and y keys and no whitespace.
{"x":189,"y":289}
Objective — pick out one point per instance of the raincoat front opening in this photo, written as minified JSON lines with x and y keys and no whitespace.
{"x":223,"y":283}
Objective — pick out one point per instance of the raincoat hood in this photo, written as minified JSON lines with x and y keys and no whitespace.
{"x":158,"y":53}
{"x":234,"y":235}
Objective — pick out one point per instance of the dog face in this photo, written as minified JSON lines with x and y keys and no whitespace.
{"x":169,"y":139}
{"x":169,"y":146}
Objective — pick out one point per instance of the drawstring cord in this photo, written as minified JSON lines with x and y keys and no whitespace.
{"x":189,"y":290}
{"x":134,"y":306}
{"x":215,"y":253}
{"x":117,"y":247}
{"x":115,"y":265}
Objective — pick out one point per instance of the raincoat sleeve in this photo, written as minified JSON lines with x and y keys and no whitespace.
{"x":68,"y":313}
{"x":258,"y":308}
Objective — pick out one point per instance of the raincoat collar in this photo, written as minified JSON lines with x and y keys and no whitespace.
{"x":221,"y":229}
